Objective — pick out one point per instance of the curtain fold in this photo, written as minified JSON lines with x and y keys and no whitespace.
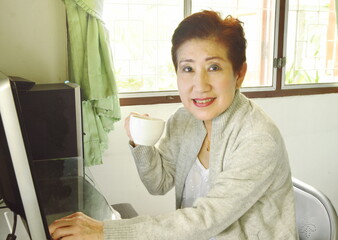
{"x":91,"y":66}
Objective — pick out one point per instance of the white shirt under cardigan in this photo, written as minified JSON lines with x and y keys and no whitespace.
{"x":251,"y":193}
{"x":196,"y":185}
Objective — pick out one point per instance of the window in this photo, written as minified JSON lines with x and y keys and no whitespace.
{"x":292,"y":45}
{"x":312,"y":43}
{"x":258,"y":17}
{"x":140,"y":33}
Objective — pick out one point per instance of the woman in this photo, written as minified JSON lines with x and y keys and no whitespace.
{"x":224,"y":156}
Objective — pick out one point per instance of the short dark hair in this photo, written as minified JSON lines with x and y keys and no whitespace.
{"x":210,"y":25}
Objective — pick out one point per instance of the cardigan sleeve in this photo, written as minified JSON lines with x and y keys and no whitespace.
{"x":156,"y":166}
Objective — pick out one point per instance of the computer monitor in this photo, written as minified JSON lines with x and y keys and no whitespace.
{"x":16,"y":179}
{"x":41,"y":163}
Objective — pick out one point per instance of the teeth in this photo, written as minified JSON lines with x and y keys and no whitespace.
{"x":203,"y":101}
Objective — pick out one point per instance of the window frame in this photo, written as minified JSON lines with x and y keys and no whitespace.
{"x":279,"y":89}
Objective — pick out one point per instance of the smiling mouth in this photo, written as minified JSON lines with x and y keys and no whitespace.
{"x":203,"y":102}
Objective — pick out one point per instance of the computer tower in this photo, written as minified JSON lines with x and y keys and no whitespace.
{"x":52,"y":116}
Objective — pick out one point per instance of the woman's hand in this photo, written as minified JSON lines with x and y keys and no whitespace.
{"x":127,"y":126}
{"x":77,"y":226}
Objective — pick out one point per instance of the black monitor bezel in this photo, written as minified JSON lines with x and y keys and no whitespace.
{"x":19,"y":164}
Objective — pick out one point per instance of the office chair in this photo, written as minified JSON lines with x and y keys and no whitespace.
{"x":315,"y":215}
{"x":126,"y":210}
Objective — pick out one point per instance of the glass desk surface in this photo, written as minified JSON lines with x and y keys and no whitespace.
{"x":63,"y":196}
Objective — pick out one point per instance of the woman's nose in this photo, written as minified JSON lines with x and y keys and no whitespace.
{"x":201,"y":81}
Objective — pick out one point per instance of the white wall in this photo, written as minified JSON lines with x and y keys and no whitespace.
{"x":33,"y":46}
{"x":33,"y":40}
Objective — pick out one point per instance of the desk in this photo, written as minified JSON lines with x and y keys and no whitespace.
{"x":61,"y":197}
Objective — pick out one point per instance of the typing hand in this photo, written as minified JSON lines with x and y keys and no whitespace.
{"x":77,"y":226}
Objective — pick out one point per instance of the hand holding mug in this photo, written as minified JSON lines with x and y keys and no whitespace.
{"x":144,"y":130}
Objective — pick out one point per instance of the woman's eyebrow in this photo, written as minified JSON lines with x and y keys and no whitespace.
{"x":212,"y":58}
{"x":186,"y":60}
{"x":206,"y":59}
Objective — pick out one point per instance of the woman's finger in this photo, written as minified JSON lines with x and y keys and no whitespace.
{"x":64,"y":223}
{"x":127,"y":124}
{"x":62,"y":233}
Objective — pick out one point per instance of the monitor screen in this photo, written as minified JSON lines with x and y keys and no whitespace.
{"x":9,"y":185}
{"x":16,"y":179}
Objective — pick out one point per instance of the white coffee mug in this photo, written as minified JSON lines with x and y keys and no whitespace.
{"x":146,"y":130}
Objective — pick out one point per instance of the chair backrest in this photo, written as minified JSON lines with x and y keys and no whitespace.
{"x":315,"y":215}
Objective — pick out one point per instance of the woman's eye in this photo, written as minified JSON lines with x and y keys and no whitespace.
{"x":214,"y":67}
{"x":187,"y":69}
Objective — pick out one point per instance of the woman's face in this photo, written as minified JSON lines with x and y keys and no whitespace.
{"x":205,"y":78}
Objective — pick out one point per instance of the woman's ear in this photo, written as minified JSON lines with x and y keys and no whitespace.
{"x":241,"y":75}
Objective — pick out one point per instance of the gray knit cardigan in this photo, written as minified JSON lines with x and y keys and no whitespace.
{"x":251,"y":194}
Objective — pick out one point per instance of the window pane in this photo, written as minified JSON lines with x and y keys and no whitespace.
{"x":141,"y":30}
{"x":140,"y":35}
{"x":258,"y":17}
{"x":311,"y":42}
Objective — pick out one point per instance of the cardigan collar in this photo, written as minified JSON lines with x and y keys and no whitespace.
{"x":195,"y":140}
{"x":221,"y":122}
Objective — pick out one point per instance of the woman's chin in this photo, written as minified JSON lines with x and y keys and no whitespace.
{"x":203,"y":115}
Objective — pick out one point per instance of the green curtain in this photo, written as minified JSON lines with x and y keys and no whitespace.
{"x":91,"y":66}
